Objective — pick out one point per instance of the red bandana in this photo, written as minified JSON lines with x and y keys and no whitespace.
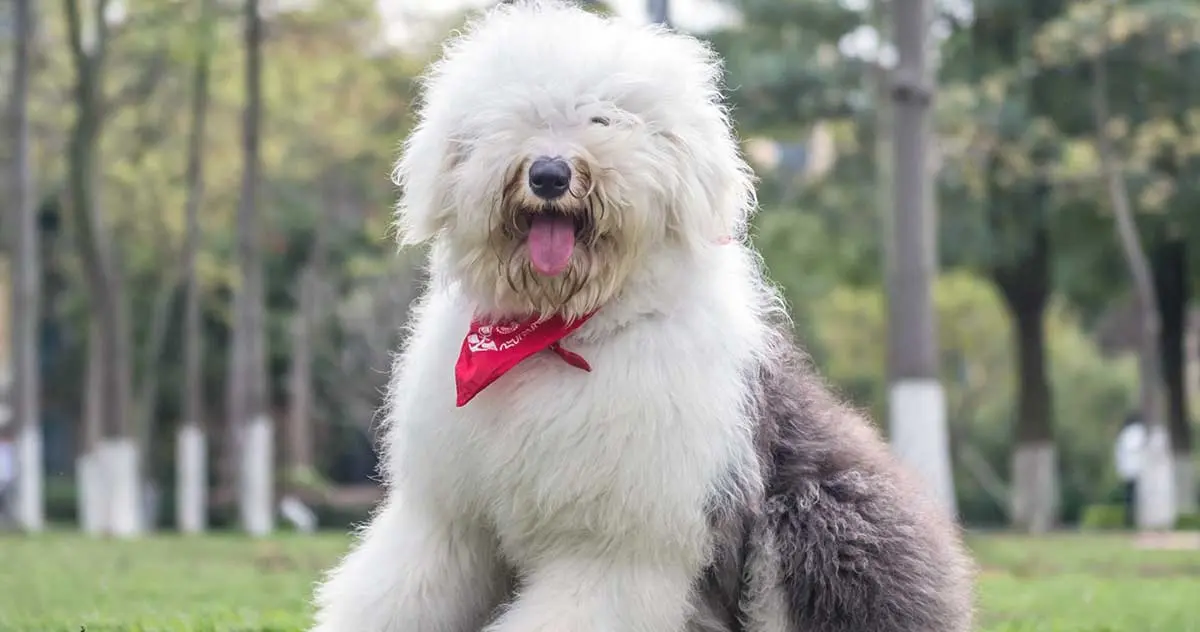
{"x":492,"y":349}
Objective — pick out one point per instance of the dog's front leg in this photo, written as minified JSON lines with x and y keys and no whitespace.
{"x":413,"y":570}
{"x":586,"y":593}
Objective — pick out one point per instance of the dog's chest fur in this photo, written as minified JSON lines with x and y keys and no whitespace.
{"x":628,"y":454}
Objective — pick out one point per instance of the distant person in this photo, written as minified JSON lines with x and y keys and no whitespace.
{"x":1131,"y":441}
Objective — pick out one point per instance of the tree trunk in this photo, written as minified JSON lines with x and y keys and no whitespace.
{"x":145,"y":405}
{"x":248,"y":374}
{"x":89,"y":475}
{"x":917,"y":402}
{"x":117,"y":456}
{"x":1172,"y":284}
{"x":1025,"y":286}
{"x":120,"y":445}
{"x":299,"y":464}
{"x":1156,"y":495}
{"x":26,"y":296}
{"x":1186,"y":474}
{"x":884,"y":151}
{"x":192,"y":459}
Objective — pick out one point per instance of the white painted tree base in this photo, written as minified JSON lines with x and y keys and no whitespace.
{"x":920,"y":437}
{"x":257,"y":481}
{"x":31,"y":507}
{"x":191,"y":497}
{"x":1156,"y":484}
{"x":1035,"y":497}
{"x":109,"y":492}
{"x":124,"y":510}
{"x":1185,"y":483}
{"x":90,"y":499}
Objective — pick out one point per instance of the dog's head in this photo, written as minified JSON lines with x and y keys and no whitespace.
{"x":556,"y":149}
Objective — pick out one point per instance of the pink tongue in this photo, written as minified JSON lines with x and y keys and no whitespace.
{"x":551,"y":242}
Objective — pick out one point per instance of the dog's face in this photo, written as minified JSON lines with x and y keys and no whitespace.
{"x":555,"y":149}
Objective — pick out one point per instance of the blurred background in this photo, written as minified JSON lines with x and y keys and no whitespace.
{"x":202,"y":295}
{"x":984,"y":214}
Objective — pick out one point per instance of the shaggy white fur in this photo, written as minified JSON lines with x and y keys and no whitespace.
{"x":593,"y":486}
{"x":561,"y":500}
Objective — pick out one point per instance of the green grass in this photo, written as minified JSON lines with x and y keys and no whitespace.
{"x":62,"y":582}
{"x":1085,"y":584}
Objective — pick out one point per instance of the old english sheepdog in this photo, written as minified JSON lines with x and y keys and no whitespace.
{"x":600,"y":422}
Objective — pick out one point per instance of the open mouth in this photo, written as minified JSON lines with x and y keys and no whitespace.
{"x":551,"y":236}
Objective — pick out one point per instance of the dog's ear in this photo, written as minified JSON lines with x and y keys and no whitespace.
{"x":423,"y":174}
{"x":714,"y":193}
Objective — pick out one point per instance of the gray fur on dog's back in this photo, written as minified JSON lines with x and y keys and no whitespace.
{"x":843,"y":540}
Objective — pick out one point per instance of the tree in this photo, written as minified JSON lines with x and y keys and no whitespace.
{"x":1025,"y":285}
{"x":115,"y":461}
{"x":311,"y":291}
{"x":299,"y":461}
{"x":976,"y":339}
{"x":26,"y":297}
{"x":1170,"y":267}
{"x":1016,"y":200}
{"x":1156,"y":500}
{"x":191,"y":459}
{"x":247,"y":392}
{"x":341,"y":99}
{"x":917,"y":403}
{"x":1138,"y":61}
{"x":1041,"y":172}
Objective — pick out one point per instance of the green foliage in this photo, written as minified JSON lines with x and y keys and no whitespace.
{"x":1091,"y":394}
{"x":1010,"y":117}
{"x":1103,"y":517}
{"x":62,"y":501}
{"x":1188,"y":522}
{"x":808,"y":257}
{"x":769,"y":88}
{"x":1016,"y":132}
{"x":1015,"y":112}
{"x":977,"y":357}
{"x":306,"y":480}
{"x":336,"y":105}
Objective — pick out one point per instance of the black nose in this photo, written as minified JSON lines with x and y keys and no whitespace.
{"x":549,"y":177}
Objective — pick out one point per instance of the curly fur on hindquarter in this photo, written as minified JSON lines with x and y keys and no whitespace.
{"x":701,"y":478}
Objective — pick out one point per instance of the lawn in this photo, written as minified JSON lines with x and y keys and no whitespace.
{"x":228,"y":583}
